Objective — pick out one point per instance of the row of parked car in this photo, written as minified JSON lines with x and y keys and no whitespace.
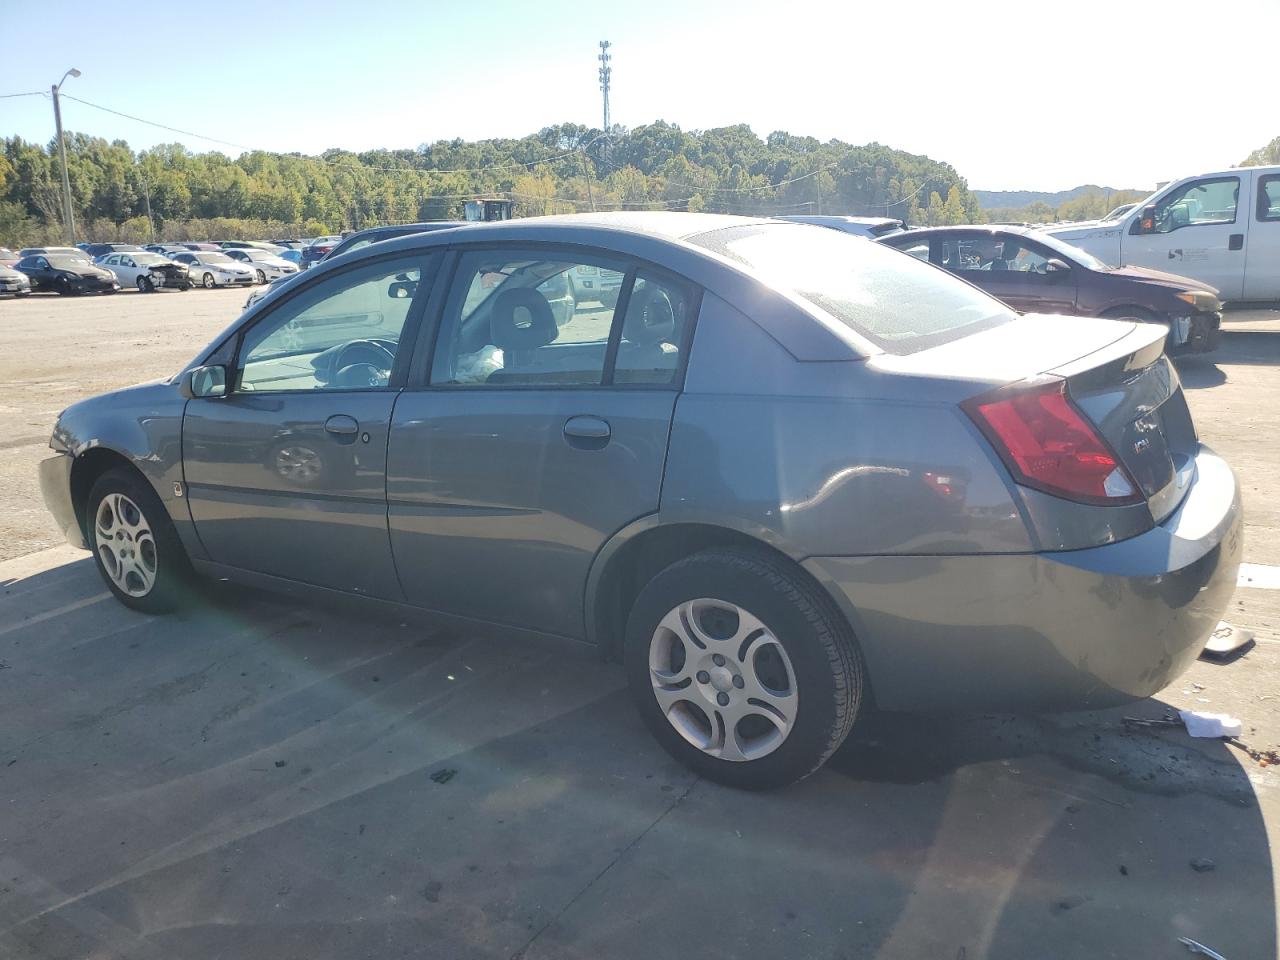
{"x":108,"y":267}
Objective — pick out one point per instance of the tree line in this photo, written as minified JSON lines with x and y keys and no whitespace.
{"x":169,"y":192}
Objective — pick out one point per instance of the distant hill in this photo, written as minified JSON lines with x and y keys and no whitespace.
{"x":1021,"y":198}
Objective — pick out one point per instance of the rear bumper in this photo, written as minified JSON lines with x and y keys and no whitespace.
{"x":55,"y":488}
{"x":1049,"y":631}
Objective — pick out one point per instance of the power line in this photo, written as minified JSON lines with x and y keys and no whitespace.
{"x":153,"y":123}
{"x":33,"y":93}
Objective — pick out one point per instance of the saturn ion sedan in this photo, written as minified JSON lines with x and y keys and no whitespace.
{"x":787,"y":475}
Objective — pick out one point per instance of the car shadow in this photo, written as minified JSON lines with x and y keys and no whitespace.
{"x":254,"y":772}
{"x":1238,"y":347}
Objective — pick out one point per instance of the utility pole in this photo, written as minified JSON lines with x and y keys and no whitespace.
{"x":68,"y":218}
{"x":606,"y":73}
{"x":146,"y":192}
{"x":586,"y":168}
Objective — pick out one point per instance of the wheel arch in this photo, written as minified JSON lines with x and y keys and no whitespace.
{"x":87,"y":468}
{"x":634,"y":555}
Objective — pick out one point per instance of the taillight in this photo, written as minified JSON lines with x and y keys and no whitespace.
{"x":1048,"y":444}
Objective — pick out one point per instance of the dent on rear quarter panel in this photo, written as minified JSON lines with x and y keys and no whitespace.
{"x":765,"y":443}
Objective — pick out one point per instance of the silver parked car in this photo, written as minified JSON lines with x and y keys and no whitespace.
{"x":789,"y":471}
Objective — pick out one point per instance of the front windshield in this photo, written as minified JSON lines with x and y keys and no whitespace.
{"x":215,"y":258}
{"x":148,"y":259}
{"x":897,"y":302}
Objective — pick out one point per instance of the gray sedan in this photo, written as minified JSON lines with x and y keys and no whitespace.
{"x":787,"y":473}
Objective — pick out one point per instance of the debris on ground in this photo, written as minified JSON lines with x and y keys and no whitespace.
{"x":281,"y":763}
{"x":443,"y":775}
{"x":1225,"y":642}
{"x":1211,"y":725}
{"x":1200,"y":948}
{"x":1165,"y":721}
{"x":1264,"y":758}
{"x":1203,"y":865}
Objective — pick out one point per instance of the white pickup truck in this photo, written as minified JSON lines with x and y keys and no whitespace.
{"x":1222,"y":229}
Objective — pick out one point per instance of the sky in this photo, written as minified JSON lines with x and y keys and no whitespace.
{"x":1015,"y":95}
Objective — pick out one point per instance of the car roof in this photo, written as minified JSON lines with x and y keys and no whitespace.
{"x":967,"y":228}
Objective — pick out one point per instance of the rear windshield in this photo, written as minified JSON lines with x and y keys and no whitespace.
{"x":896,"y":301}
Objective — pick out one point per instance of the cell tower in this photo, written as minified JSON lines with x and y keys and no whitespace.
{"x":606,"y":72}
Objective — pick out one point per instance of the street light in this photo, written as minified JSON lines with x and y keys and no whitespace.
{"x":67,"y":217}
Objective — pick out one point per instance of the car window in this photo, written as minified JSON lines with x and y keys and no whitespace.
{"x":112,"y":260}
{"x":343,"y":333}
{"x":916,"y":248}
{"x":127,"y":262}
{"x":998,"y":253}
{"x":1269,"y":197}
{"x":513,"y":319}
{"x":1198,"y":202}
{"x":654,"y":330}
{"x":897,"y":303}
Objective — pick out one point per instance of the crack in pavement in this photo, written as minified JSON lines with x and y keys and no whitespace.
{"x":524,"y":949}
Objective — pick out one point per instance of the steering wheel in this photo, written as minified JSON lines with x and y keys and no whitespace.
{"x":363,"y":363}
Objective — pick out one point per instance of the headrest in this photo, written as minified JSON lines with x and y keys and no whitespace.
{"x":650,"y":316}
{"x":521,"y":320}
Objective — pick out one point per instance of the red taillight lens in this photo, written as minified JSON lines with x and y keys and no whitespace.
{"x":1047,"y":444}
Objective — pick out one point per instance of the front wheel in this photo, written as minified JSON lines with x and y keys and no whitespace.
{"x":741,"y":668}
{"x":145,"y":285}
{"x":262,"y":277}
{"x":63,"y":286}
{"x":134,"y":544}
{"x":207,"y":282}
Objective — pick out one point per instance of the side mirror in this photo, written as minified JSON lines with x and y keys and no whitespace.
{"x":205,"y":382}
{"x":1147,"y":219}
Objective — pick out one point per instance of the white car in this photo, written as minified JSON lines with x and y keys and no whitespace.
{"x":215,"y":269}
{"x":146,"y":271}
{"x":265,"y":265}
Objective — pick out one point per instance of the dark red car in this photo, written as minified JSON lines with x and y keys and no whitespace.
{"x":1037,"y":273}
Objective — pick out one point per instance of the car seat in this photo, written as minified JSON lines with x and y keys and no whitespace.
{"x":650,"y":322}
{"x":520,"y":322}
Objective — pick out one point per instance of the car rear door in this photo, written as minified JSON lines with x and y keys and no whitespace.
{"x":1262,"y":254}
{"x":286,"y":474}
{"x":1198,"y":231}
{"x":534,"y":431}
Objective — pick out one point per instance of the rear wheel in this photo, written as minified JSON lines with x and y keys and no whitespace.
{"x":134,"y":544}
{"x":208,"y":281}
{"x":741,"y":669}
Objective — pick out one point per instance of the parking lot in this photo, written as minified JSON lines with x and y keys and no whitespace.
{"x":258,"y":779}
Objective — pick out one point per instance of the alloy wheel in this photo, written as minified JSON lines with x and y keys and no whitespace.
{"x":723,"y":680}
{"x":125,"y":544}
{"x":208,"y":281}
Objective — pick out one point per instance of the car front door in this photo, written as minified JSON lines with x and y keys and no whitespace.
{"x":286,"y":473}
{"x":1262,"y":258}
{"x":126,"y":270}
{"x":1011,"y":267}
{"x":538,"y":430}
{"x":1198,"y":231}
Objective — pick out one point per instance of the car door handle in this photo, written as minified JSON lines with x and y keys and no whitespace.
{"x":340,"y":425}
{"x":587,"y":431}
{"x":1235,"y":241}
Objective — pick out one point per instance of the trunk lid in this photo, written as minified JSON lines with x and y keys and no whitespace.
{"x":1131,"y":392}
{"x":1117,"y":375}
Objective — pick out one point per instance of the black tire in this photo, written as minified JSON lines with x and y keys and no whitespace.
{"x":262,"y":277}
{"x":1137,"y":314}
{"x":145,"y":285}
{"x":173,"y":573}
{"x":823,"y":654}
{"x":63,"y":286}
{"x":208,"y":282}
